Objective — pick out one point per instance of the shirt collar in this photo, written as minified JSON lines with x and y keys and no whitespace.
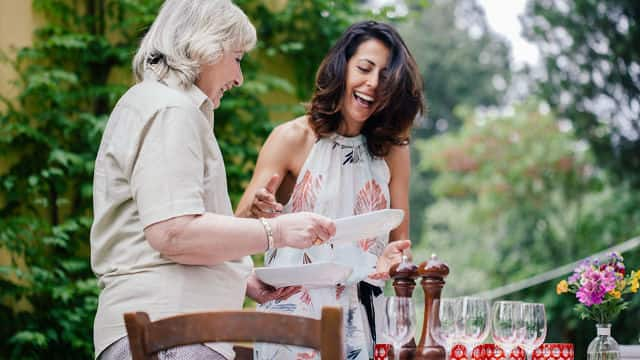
{"x":193,"y":92}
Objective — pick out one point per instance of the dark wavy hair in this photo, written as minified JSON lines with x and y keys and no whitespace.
{"x":399,"y":92}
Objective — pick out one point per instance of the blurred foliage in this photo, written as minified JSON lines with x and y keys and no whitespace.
{"x":68,"y":81}
{"x":50,"y":134}
{"x":525,"y":194}
{"x":453,"y":45}
{"x":591,"y":74}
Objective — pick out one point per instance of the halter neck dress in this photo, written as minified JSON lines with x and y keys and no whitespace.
{"x":339,"y":178}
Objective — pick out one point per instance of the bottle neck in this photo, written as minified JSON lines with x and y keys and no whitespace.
{"x":603,"y":329}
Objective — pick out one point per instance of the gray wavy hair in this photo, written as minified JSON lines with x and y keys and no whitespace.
{"x":189,"y":33}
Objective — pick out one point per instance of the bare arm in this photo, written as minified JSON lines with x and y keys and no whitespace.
{"x":275,"y":161}
{"x":210,"y":239}
{"x":399,"y":162}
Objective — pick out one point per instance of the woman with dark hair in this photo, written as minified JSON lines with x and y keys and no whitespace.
{"x":348,"y":155}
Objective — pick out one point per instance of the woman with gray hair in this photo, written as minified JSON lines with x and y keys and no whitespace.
{"x":164,"y":239}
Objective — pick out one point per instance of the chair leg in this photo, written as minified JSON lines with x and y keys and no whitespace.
{"x":331,"y":346}
{"x":135,"y":323}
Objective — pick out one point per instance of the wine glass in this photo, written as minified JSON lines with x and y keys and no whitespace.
{"x":401,"y":322}
{"x":443,"y":322}
{"x":534,"y":331}
{"x":507,"y":325}
{"x":475,"y":322}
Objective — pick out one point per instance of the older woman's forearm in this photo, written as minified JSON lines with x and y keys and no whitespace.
{"x":210,"y":239}
{"x":207,"y":239}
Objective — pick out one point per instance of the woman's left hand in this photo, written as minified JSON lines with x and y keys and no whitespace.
{"x":392,"y":254}
{"x":262,"y":293}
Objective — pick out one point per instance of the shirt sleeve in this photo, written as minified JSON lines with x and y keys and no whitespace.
{"x":168,"y":171}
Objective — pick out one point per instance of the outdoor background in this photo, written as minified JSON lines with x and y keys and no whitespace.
{"x":521,"y":165}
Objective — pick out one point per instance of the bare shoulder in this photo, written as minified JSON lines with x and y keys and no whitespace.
{"x":398,"y":155}
{"x":399,"y":160}
{"x":294,"y":134}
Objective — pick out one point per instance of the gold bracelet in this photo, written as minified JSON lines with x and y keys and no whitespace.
{"x":269,"y":232}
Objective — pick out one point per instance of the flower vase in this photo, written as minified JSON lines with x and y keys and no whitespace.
{"x":604,"y":346}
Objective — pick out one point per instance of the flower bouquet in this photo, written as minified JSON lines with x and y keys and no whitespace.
{"x":599,"y":288}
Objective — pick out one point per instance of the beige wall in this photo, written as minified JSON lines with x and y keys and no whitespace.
{"x":16,"y":27}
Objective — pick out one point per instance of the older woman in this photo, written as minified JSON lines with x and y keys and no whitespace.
{"x":164,"y":239}
{"x":352,"y":157}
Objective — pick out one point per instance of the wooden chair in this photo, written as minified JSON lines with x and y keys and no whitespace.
{"x":147,"y":337}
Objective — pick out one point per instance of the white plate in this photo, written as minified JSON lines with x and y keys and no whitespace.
{"x":372,"y":224}
{"x":309,"y":275}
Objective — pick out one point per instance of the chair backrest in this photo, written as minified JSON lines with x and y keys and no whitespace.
{"x":147,"y":337}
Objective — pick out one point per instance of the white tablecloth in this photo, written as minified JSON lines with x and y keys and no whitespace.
{"x":630,"y":352}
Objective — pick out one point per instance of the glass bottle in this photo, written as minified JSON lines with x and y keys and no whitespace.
{"x":604,"y":346}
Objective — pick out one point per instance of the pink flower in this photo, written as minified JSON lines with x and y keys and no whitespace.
{"x":594,"y":284}
{"x":577,"y":273}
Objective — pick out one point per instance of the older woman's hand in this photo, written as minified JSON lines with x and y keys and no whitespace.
{"x":261,"y":292}
{"x":302,"y":230}
{"x":264,"y":202}
{"x":392,"y":254}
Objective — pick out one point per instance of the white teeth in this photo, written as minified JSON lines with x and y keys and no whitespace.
{"x":364,"y":97}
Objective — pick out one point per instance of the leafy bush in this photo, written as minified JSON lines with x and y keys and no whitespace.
{"x":68,"y":81}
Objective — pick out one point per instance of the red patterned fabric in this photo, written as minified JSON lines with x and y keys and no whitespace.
{"x":554,"y":351}
{"x":305,"y":193}
{"x":562,"y":351}
{"x":381,"y":352}
{"x":370,"y":198}
{"x":459,"y":352}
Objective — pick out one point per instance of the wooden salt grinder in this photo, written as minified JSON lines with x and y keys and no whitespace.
{"x":404,"y":275}
{"x":433,"y":272}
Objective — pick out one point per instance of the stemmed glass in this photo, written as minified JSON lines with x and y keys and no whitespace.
{"x":401,"y":322}
{"x":444,"y":322}
{"x":475,"y":322}
{"x":507,"y":325}
{"x":534,"y":331}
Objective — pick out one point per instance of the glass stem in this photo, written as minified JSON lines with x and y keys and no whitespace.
{"x":396,"y":351}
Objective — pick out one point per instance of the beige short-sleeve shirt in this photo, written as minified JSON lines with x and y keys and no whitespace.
{"x":158,"y":159}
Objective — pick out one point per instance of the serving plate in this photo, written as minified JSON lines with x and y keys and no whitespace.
{"x":309,"y":275}
{"x":372,"y":224}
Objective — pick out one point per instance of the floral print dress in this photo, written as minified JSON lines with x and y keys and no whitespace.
{"x":339,"y":178}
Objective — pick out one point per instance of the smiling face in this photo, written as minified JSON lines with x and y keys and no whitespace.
{"x":364,"y":70}
{"x":215,"y":79}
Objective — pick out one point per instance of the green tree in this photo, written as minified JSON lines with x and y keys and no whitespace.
{"x":461,"y":60}
{"x":462,"y":63}
{"x":591,"y":74}
{"x":510,"y":189}
{"x":526,"y":195}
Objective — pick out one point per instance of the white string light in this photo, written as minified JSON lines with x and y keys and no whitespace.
{"x":555,"y":273}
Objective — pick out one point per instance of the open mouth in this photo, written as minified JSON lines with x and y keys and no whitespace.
{"x":363,"y":99}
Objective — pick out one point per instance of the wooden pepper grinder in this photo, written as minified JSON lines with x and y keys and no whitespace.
{"x":433,"y":272}
{"x":404,"y":275}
